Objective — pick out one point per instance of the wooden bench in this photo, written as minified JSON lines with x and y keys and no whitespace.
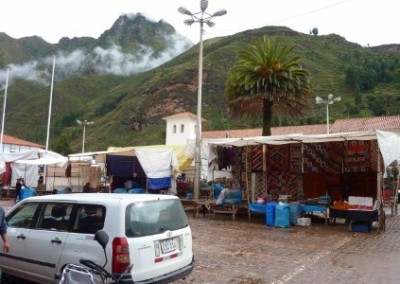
{"x":232,"y":209}
{"x":205,"y":205}
{"x":188,"y":205}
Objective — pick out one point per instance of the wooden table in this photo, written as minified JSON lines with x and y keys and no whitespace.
{"x":315,"y":208}
{"x":206,"y":205}
{"x":354,"y":215}
{"x":232,"y":209}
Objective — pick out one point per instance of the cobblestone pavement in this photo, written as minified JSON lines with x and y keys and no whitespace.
{"x":245,"y":251}
{"x":249,"y":252}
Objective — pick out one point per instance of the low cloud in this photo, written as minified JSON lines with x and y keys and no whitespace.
{"x":101,"y":61}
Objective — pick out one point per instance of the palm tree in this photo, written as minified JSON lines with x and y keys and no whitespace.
{"x":267,"y":79}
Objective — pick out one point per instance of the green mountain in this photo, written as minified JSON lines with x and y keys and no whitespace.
{"x":127,"y":107}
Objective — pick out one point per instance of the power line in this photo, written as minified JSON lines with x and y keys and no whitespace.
{"x":312,"y":11}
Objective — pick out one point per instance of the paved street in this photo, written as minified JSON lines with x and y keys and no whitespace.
{"x":249,"y":252}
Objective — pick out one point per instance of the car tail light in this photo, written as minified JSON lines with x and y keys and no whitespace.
{"x":120,"y":255}
{"x":157,"y":248}
{"x":180,"y":242}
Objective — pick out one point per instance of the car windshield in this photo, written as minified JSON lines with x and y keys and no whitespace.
{"x":154,"y":217}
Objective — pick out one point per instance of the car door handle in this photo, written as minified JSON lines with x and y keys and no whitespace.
{"x":56,"y":240}
{"x":22,"y":236}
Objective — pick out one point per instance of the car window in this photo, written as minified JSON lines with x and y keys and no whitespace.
{"x":22,"y":216}
{"x":148,"y":218}
{"x":55,"y":216}
{"x":90,"y":218}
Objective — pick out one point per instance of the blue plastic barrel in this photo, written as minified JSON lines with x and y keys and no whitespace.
{"x":282,"y":212}
{"x":270,"y":213}
{"x":294,"y":213}
{"x":136,"y":190}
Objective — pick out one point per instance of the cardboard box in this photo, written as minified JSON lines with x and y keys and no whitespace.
{"x":303,"y":221}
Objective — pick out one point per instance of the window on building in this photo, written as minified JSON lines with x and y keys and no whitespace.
{"x":182,"y":128}
{"x":174,"y":128}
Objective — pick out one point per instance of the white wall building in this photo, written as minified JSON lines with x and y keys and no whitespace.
{"x":180,"y":127}
{"x":15,"y":145}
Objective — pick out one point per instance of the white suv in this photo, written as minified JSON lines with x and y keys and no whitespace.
{"x":48,"y":232}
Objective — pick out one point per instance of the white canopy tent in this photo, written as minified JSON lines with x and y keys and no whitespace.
{"x":25,"y":164}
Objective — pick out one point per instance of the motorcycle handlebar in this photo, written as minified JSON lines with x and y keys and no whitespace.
{"x":94,"y":266}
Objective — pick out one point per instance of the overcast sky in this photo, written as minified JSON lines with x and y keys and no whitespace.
{"x":367,"y":22}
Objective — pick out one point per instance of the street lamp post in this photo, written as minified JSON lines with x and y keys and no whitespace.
{"x":329,"y":101}
{"x":202,"y":18}
{"x":84,"y":123}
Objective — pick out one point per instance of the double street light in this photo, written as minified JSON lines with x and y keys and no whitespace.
{"x":329,"y":101}
{"x":202,"y":18}
{"x":84,"y":123}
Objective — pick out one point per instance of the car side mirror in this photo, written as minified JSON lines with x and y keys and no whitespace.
{"x":102,"y":238}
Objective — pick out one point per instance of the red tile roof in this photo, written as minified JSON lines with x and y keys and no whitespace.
{"x":365,"y":124}
{"x":240,"y":133}
{"x":16,"y":141}
{"x":341,"y":125}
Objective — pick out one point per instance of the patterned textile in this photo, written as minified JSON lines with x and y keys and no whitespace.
{"x":295,"y":157}
{"x":358,"y":156}
{"x":278,"y":158}
{"x":257,"y":158}
{"x":315,"y":156}
{"x":335,"y":159}
{"x":281,"y":179}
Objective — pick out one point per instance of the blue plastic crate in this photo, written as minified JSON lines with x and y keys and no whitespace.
{"x":361,"y":227}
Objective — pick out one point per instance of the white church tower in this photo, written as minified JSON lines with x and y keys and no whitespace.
{"x":180,"y":128}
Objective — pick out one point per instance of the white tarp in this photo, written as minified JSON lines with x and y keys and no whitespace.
{"x":157,"y":163}
{"x":28,"y":172}
{"x":292,"y":138}
{"x":27,"y":167}
{"x":11,"y":157}
{"x":389,"y":145}
{"x":45,"y":158}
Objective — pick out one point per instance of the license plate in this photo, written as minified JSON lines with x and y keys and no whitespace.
{"x":168,"y":245}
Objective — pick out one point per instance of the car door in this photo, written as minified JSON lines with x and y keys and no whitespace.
{"x":89,"y":218}
{"x":20,"y":222}
{"x":46,"y":243}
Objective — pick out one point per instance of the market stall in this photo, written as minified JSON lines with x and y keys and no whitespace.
{"x":153,"y":168}
{"x":306,"y":167}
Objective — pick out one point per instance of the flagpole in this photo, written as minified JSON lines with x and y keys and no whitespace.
{"x":4,"y":112}
{"x":48,"y":120}
{"x":51,"y":99}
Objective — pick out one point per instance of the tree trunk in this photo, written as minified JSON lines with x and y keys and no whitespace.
{"x":267,"y":117}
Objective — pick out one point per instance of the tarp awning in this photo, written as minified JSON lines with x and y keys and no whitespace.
{"x":45,"y":158}
{"x":179,"y":151}
{"x":389,"y":145}
{"x":157,"y":163}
